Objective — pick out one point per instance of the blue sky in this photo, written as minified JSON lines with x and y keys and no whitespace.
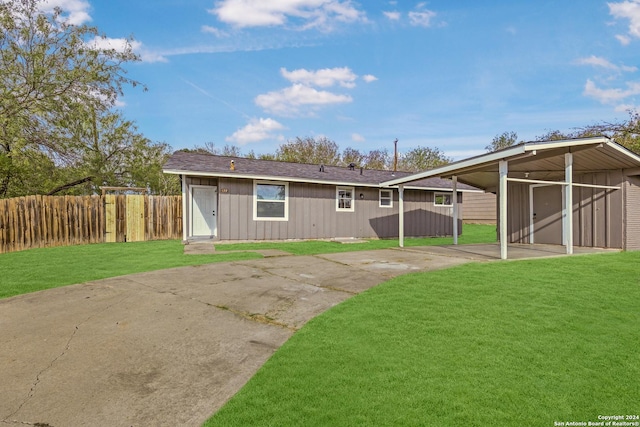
{"x":451,"y":75}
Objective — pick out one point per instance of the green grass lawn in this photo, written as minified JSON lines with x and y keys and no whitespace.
{"x":517,"y":343}
{"x":37,"y":269}
{"x":472,"y":233}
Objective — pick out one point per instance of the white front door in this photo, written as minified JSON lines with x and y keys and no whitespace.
{"x":203,"y":211}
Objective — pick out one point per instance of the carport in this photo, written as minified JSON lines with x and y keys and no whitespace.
{"x":582,"y":192}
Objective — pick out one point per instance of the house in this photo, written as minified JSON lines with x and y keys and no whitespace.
{"x":234,"y":198}
{"x":583,"y":192}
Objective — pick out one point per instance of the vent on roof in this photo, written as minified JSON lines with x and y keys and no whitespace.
{"x":233,"y":165}
{"x":352,"y":166}
{"x":321,"y":168}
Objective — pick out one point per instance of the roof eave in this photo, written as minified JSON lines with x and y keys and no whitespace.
{"x":443,"y":170}
{"x":284,"y":179}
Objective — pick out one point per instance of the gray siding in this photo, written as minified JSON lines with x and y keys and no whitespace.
{"x":597,"y":213}
{"x":632,"y":213}
{"x":480,"y":208}
{"x":312,"y":214}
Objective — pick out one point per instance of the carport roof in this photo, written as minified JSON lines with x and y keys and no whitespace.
{"x":534,"y":160}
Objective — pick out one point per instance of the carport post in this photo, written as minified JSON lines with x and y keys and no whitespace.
{"x":455,"y":209}
{"x":401,"y":215}
{"x":568,"y":219}
{"x":504,"y":171}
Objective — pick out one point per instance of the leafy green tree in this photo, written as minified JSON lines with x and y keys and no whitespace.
{"x":377,"y":159}
{"x":53,"y":74}
{"x":353,"y":155}
{"x":504,"y":140}
{"x":309,"y":150}
{"x":422,"y":158}
{"x":210,"y":148}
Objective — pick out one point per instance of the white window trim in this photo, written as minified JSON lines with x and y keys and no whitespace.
{"x":435,"y":195}
{"x":353,"y":199}
{"x":390,"y":205}
{"x":255,"y":201}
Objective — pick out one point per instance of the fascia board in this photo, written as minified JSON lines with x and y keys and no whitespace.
{"x":549,"y":145}
{"x":286,"y":179}
{"x":625,"y":151}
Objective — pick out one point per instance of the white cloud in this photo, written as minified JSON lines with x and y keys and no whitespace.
{"x":312,"y":13}
{"x":298,"y":99}
{"x":325,"y":77}
{"x":627,"y":10}
{"x":122,"y":44}
{"x":256,"y":130}
{"x":624,"y":40}
{"x":75,"y":11}
{"x":611,"y":96}
{"x":597,"y":61}
{"x":421,"y":18}
{"x":393,"y":15}
{"x":623,"y":108}
{"x":356,"y":137}
{"x":215,"y":31}
{"x":369,"y":78}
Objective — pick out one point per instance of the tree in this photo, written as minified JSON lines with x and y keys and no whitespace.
{"x":53,"y":75}
{"x":504,"y":140}
{"x":422,"y":158}
{"x":210,"y":148}
{"x":377,"y":159}
{"x":309,"y":150}
{"x":626,"y":133}
{"x":353,"y":155}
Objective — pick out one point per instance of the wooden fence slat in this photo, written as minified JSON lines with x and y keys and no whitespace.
{"x":135,"y":218}
{"x":44,"y":221}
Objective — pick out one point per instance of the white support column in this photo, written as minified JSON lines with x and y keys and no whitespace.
{"x":401,"y":215}
{"x":568,"y":219}
{"x":184,"y":208}
{"x":504,"y":241}
{"x":455,"y":209}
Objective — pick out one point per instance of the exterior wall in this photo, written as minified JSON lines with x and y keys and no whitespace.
{"x":632,"y":213}
{"x":480,"y":208}
{"x":312,"y":214}
{"x":597,"y":213}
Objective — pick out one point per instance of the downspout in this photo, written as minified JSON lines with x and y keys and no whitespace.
{"x":183,"y":179}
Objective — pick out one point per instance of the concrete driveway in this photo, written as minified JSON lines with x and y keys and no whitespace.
{"x":170,"y":347}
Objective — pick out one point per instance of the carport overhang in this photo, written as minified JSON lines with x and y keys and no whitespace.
{"x":544,"y":163}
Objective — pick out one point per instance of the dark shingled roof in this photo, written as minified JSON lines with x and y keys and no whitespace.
{"x":211,"y":165}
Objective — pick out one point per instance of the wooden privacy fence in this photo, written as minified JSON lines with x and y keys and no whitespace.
{"x":43,"y":221}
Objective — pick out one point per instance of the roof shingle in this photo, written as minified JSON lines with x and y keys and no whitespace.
{"x":212,"y":165}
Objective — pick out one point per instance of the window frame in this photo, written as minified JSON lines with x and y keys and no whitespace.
{"x":443,"y":194}
{"x":390,"y":198}
{"x":256,"y":200}
{"x":353,"y":198}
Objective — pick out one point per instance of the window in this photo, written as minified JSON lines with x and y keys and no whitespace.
{"x":386,"y":199}
{"x":344,"y":199}
{"x":270,"y":201}
{"x":442,"y":199}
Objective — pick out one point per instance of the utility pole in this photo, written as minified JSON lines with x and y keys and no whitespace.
{"x":395,"y":155}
